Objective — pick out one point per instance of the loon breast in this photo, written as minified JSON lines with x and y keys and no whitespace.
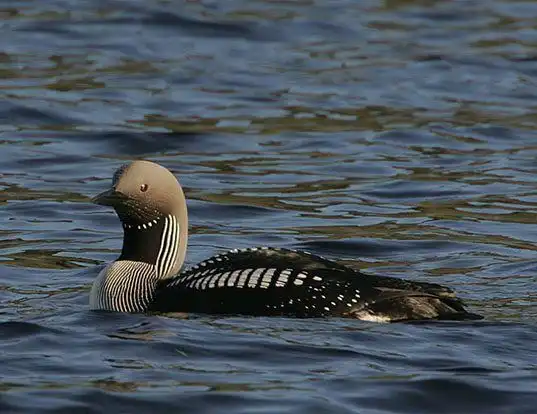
{"x":283,"y":282}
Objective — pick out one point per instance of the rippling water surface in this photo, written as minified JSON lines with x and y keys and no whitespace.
{"x":396,"y":136}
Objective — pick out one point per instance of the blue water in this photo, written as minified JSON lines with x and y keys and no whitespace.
{"x":395,"y":136}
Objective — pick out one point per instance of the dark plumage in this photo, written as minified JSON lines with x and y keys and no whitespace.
{"x":328,"y":289}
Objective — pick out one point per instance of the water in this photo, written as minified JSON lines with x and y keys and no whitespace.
{"x":396,"y":136}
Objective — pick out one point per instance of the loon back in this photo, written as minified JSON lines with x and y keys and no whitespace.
{"x":282,"y":282}
{"x":151,"y":206}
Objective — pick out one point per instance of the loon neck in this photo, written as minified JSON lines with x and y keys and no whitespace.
{"x":160,"y":242}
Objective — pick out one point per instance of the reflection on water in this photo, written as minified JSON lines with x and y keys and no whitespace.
{"x":396,"y":136}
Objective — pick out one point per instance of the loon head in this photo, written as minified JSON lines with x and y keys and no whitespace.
{"x":151,"y":205}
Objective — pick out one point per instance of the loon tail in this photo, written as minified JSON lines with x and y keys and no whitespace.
{"x":399,"y":300}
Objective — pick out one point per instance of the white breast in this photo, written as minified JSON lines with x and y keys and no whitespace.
{"x":123,"y":286}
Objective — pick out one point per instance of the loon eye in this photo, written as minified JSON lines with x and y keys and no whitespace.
{"x":143,"y":188}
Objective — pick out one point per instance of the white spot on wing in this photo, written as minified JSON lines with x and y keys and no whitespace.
{"x":234,"y":277}
{"x":283,"y":278}
{"x":223,"y":279}
{"x":243,"y":277}
{"x":255,"y":277}
{"x":267,"y":278}
{"x":200,"y":284}
{"x":214,"y":280}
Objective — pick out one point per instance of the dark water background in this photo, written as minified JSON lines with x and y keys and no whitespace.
{"x":398,"y":136}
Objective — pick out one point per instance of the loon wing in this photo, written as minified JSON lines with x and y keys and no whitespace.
{"x":284,"y":282}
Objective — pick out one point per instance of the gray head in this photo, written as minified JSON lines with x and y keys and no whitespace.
{"x":151,"y":206}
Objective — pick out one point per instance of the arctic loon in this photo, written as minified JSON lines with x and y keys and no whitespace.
{"x":148,"y":275}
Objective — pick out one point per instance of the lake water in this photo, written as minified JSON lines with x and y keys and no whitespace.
{"x":396,"y":136}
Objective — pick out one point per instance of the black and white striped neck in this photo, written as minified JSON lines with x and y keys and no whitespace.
{"x":155,"y":242}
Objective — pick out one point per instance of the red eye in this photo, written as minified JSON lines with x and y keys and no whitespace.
{"x":143,"y":188}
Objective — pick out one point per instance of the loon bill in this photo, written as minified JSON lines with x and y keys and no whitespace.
{"x":147,"y":276}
